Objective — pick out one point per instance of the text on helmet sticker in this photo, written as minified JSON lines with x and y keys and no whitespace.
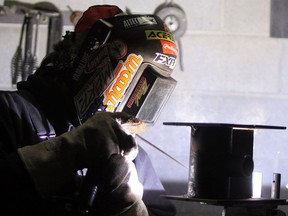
{"x":123,"y":74}
{"x":169,"y":48}
{"x":159,"y":35}
{"x":165,"y":60}
{"x":93,"y":88}
{"x":140,"y":90}
{"x":138,"y":21}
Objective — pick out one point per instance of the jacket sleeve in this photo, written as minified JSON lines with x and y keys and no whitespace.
{"x":153,"y":188}
{"x":16,"y":186}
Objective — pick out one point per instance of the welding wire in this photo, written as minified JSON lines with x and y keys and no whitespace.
{"x":160,"y":150}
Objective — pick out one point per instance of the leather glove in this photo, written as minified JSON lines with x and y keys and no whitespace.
{"x":53,"y":163}
{"x":119,"y":190}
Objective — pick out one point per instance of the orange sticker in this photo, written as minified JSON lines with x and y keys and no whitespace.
{"x":124,"y":74}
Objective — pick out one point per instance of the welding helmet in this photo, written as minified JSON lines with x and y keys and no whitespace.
{"x":124,"y":64}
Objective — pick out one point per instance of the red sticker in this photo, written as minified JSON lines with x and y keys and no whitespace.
{"x":169,"y":48}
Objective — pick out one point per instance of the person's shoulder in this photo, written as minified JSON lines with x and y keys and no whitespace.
{"x":14,"y":100}
{"x":8,"y":95}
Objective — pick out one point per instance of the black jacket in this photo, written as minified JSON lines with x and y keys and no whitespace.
{"x":23,"y":121}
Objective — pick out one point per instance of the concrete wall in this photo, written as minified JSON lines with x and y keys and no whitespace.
{"x":234,"y":71}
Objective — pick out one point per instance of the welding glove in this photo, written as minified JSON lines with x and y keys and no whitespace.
{"x":119,"y":190}
{"x":53,"y":163}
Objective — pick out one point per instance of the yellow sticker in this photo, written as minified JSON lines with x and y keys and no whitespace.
{"x":159,"y":35}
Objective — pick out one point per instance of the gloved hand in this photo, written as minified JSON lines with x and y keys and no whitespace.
{"x":119,"y":190}
{"x":53,"y":163}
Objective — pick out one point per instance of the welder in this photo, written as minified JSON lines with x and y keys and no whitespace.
{"x":63,"y":127}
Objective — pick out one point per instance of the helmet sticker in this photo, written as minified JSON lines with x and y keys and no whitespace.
{"x":138,"y":21}
{"x":93,"y":88}
{"x":169,"y":48}
{"x":165,"y":60}
{"x":82,"y":64}
{"x":123,"y":74}
{"x":159,"y":35}
{"x":118,"y":49}
{"x":140,"y":90}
